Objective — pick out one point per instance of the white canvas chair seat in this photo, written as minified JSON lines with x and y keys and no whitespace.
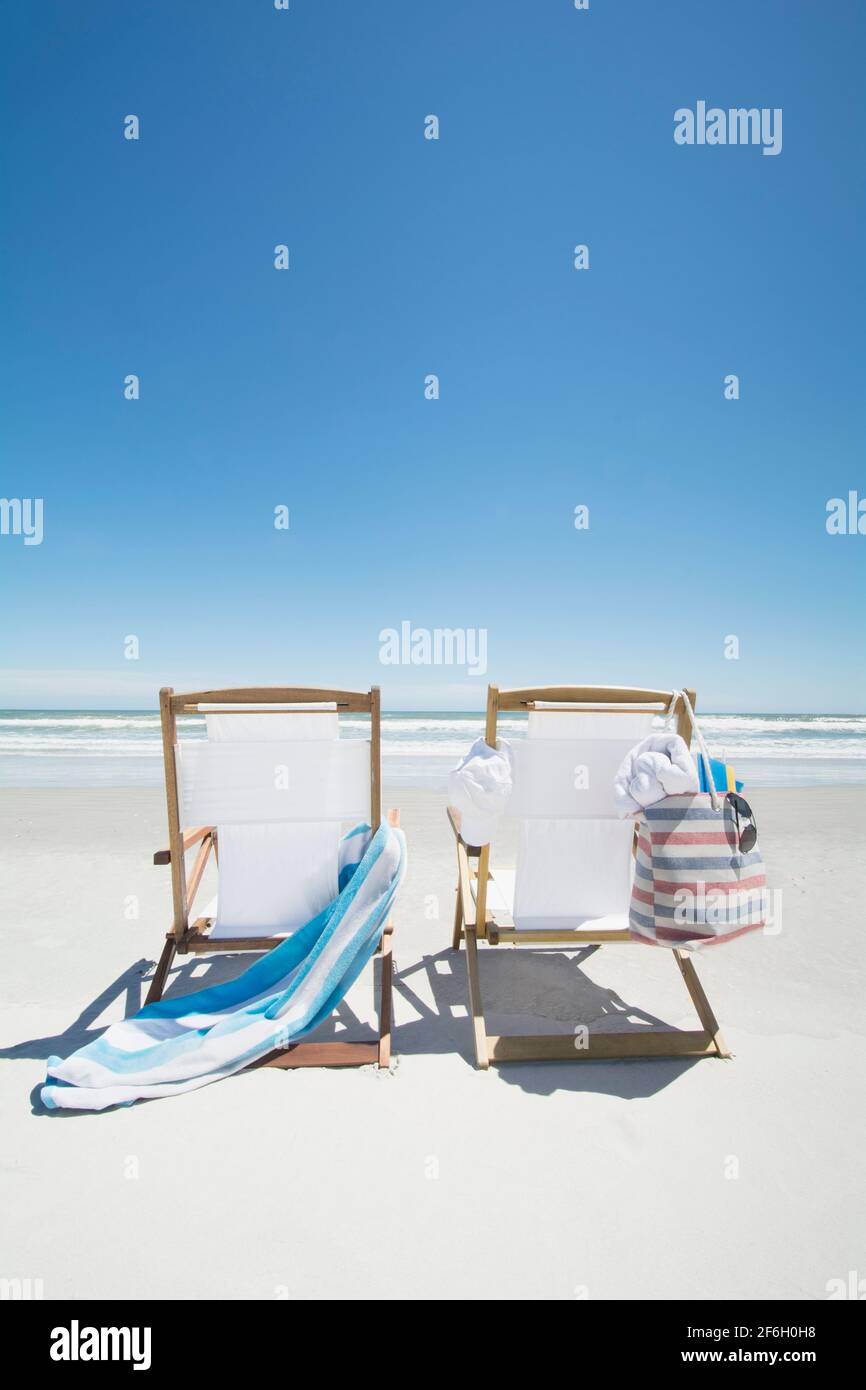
{"x":274,"y":874}
{"x":574,"y":858}
{"x":500,"y":902}
{"x":273,"y":878}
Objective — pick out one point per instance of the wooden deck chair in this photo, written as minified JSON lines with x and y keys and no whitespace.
{"x":572,"y":883}
{"x":268,"y":792}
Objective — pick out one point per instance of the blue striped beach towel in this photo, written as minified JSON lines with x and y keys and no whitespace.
{"x":180,"y":1044}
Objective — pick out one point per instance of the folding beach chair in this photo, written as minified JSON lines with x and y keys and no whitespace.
{"x":572,"y":883}
{"x":268,"y":791}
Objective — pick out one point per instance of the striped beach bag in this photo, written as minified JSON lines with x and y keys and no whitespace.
{"x":699,"y":876}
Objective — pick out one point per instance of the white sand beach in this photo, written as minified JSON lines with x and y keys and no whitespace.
{"x":711,"y":1179}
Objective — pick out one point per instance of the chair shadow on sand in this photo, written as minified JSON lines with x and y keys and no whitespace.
{"x":542,"y":987}
{"x":545,"y":991}
{"x":186,"y":977}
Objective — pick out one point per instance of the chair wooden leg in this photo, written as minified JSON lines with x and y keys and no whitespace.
{"x":385,"y":999}
{"x":703,"y":1008}
{"x":475,"y":1004}
{"x":458,"y":922}
{"x":157,"y":984}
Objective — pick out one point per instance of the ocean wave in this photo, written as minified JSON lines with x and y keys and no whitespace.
{"x":772,"y":724}
{"x":85,"y":721}
{"x":136,"y":735}
{"x":73,"y":748}
{"x":778,"y":749}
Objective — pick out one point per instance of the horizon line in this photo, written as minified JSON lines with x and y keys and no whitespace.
{"x":480,"y":712}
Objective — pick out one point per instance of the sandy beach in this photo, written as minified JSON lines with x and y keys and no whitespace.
{"x":713,"y":1179}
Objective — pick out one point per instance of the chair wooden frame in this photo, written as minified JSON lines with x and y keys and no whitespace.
{"x":186,"y":936}
{"x":474,"y":922}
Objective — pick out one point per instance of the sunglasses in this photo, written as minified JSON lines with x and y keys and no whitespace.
{"x":746,"y":835}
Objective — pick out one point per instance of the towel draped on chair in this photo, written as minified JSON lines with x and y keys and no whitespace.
{"x":185,"y":1042}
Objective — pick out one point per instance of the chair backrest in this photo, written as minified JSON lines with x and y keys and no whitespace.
{"x":574,"y":859}
{"x":277,"y":781}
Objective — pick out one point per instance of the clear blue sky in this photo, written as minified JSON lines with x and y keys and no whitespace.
{"x":601,"y":387}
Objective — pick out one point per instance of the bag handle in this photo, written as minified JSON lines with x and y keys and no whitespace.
{"x":702,"y":747}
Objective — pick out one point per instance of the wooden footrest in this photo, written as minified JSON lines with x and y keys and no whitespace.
{"x":324,"y":1054}
{"x":561,"y":1047}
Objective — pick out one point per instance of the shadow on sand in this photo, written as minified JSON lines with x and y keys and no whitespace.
{"x":545,"y":989}
{"x":539,"y":991}
{"x":186,"y":977}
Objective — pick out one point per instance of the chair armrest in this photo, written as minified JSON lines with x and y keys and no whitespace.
{"x":465,"y":885}
{"x":454,"y":819}
{"x":190,"y":837}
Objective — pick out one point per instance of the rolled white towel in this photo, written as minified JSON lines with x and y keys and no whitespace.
{"x":660,"y":765}
{"x":479,"y":788}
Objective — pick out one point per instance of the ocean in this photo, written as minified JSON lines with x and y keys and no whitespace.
{"x":115,"y":748}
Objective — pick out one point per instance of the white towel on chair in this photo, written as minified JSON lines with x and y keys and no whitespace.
{"x":479,"y":788}
{"x":660,"y":765}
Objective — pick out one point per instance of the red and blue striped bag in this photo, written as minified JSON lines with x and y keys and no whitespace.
{"x":694,"y":884}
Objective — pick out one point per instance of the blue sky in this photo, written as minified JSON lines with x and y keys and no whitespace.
{"x":409,"y":257}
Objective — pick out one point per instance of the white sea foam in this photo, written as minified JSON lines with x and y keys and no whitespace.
{"x":412,"y":741}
